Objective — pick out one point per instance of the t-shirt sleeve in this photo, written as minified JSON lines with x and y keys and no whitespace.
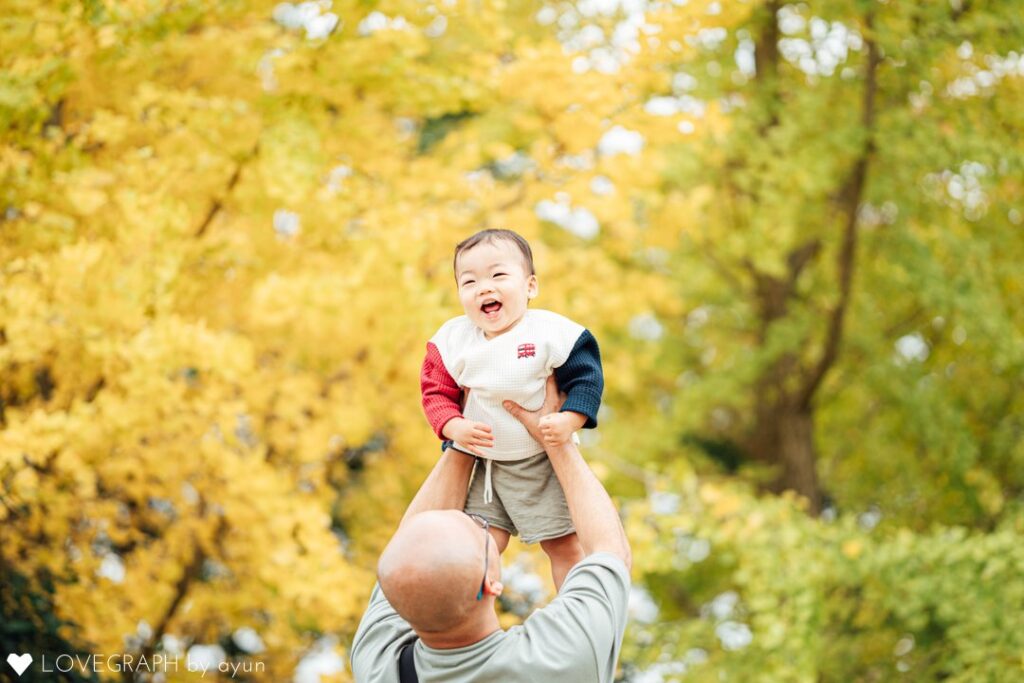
{"x":582,"y":378}
{"x":378,"y":640}
{"x":587,"y":618}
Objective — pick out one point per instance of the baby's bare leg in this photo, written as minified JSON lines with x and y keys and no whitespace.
{"x":500,"y":537}
{"x":564,"y":552}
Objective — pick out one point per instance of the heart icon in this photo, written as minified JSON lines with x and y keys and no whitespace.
{"x":19,"y":662}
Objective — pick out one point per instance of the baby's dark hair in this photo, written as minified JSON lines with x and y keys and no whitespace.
{"x":492,"y":236}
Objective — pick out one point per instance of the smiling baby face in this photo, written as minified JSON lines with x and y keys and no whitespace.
{"x":494,"y":285}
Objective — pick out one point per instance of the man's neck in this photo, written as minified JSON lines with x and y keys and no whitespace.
{"x":461,"y":637}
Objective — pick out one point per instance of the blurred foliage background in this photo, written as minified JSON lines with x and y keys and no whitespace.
{"x":795,"y":228}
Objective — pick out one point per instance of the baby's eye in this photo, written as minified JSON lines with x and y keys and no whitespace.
{"x":467,"y":282}
{"x":500,"y":274}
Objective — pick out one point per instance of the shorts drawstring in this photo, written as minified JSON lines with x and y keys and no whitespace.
{"x":487,"y":482}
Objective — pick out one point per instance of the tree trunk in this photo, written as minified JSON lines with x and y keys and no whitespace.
{"x":783,"y":437}
{"x":797,"y":456}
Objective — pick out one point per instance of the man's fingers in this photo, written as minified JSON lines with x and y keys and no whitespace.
{"x":514,"y":408}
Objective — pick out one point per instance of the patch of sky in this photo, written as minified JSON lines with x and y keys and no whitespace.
{"x":378,"y":21}
{"x":172,"y":645}
{"x":581,"y":30}
{"x":744,"y":57}
{"x":734,"y":635}
{"x":547,"y":16}
{"x":524,"y":588}
{"x":669,"y":669}
{"x":721,"y":607}
{"x":646,"y":327}
{"x":981,"y":79}
{"x":659,"y":672}
{"x":698,"y":550}
{"x":577,"y":220}
{"x":815,"y":46}
{"x":962,"y":188}
{"x":666,"y":105}
{"x":911,"y":348}
{"x":904,"y":645}
{"x":683,"y":82}
{"x":664,"y":502}
{"x":336,"y":178}
{"x":265,"y":69}
{"x":247,"y":640}
{"x":437,"y":27}
{"x":870,"y":518}
{"x":871,"y":216}
{"x":642,"y":607}
{"x":578,"y":162}
{"x":205,"y":657}
{"x":286,"y":224}
{"x":602,"y":185}
{"x":620,"y":140}
{"x":513,"y":166}
{"x":111,"y":568}
{"x":313,"y":17}
{"x":662,"y":106}
{"x":698,"y":317}
{"x":322,"y":659}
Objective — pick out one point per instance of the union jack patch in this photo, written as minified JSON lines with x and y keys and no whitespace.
{"x":527,"y":351}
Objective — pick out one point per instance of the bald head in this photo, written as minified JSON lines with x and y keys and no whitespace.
{"x":431,"y":571}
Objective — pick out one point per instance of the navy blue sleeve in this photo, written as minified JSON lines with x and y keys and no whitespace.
{"x":582,"y":378}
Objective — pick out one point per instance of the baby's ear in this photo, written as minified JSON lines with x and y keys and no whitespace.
{"x":532,"y":288}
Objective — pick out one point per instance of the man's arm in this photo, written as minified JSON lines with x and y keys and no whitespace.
{"x":446,"y":485}
{"x":597,"y":522}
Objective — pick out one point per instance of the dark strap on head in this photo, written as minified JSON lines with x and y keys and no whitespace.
{"x":406,"y":665}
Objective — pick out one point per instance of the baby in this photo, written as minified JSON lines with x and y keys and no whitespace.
{"x":501,"y":351}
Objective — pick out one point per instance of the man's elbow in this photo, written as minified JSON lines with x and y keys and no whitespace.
{"x":619,"y":550}
{"x":624,"y":553}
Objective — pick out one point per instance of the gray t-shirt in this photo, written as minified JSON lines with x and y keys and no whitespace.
{"x":574,"y":639}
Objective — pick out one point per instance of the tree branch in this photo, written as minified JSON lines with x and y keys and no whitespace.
{"x":218,"y":203}
{"x":850,"y":198}
{"x":766,"y":61}
{"x":190,"y":574}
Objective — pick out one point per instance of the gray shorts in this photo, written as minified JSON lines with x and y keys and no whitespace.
{"x":527,"y":499}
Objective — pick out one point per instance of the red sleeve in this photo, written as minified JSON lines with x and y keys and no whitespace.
{"x":441,"y":395}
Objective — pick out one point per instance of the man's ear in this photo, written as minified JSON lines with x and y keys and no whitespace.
{"x":492,"y":587}
{"x":532,"y":288}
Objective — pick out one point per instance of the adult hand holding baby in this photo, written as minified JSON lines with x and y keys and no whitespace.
{"x":547,"y":425}
{"x":537,"y":422}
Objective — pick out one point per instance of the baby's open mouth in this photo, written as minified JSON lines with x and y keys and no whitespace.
{"x":491,"y":307}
